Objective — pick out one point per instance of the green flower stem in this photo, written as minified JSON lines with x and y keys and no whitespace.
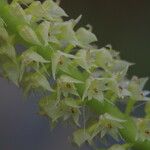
{"x":129,"y":107}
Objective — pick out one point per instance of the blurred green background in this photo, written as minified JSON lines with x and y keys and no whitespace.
{"x":123,"y":23}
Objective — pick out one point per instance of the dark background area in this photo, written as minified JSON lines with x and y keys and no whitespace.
{"x":124,"y":24}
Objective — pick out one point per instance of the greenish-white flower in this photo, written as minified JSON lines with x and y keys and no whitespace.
{"x":66,"y":85}
{"x":66,"y":109}
{"x":119,"y":68}
{"x":143,"y":127}
{"x":110,"y":125}
{"x":94,"y":88}
{"x":48,"y":10}
{"x":60,"y":60}
{"x":65,"y":34}
{"x":107,"y":124}
{"x":85,"y":59}
{"x":72,"y":110}
{"x":135,"y":86}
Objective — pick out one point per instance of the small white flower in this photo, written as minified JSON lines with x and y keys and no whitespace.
{"x":66,"y":85}
{"x":143,"y":126}
{"x":59,"y":60}
{"x":136,"y":86}
{"x":85,"y":59}
{"x":94,"y":88}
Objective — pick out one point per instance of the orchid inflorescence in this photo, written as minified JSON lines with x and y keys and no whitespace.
{"x":76,"y":74}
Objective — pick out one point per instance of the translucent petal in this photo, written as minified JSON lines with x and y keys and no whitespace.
{"x":68,"y":79}
{"x":8,"y":50}
{"x":103,"y":58}
{"x":72,"y":103}
{"x":4,"y":37}
{"x":35,"y":81}
{"x":85,"y":37}
{"x":53,"y":9}
{"x":30,"y":55}
{"x":109,"y":117}
{"x":67,"y":35}
{"x":2,"y":23}
{"x":120,"y":68}
{"x":142,"y":82}
{"x":23,"y":1}
{"x":77,"y":20}
{"x":11,"y":71}
{"x":35,"y":10}
{"x":55,"y":60}
{"x":85,"y":60}
{"x":43,"y":82}
{"x":94,"y":89}
{"x":29,"y":35}
{"x":19,"y":12}
{"x":50,"y":108}
{"x":76,"y":117}
{"x":135,"y":87}
{"x":43,"y":30}
{"x":94,"y":130}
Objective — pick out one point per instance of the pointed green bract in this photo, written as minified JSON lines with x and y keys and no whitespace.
{"x":35,"y":81}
